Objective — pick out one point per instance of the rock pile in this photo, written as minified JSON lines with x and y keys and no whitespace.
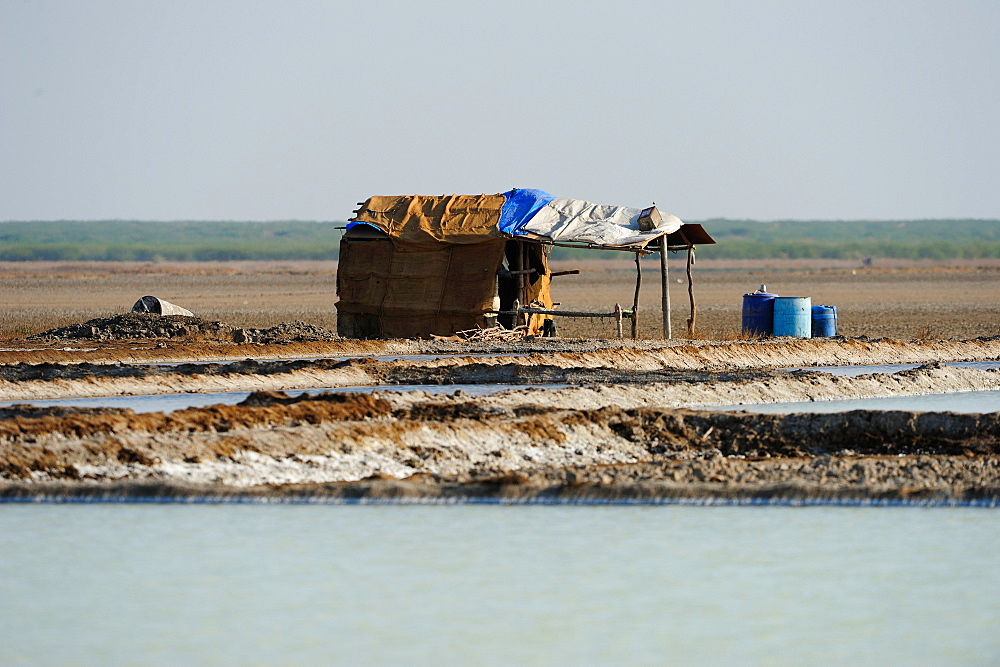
{"x":286,"y":332}
{"x":140,"y":326}
{"x":135,"y":326}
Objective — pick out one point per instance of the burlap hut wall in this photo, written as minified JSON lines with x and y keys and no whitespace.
{"x":391,"y":293}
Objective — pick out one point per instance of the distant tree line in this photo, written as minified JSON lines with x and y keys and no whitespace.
{"x":184,"y":241}
{"x":849,"y":239}
{"x":143,"y":241}
{"x":853,"y":239}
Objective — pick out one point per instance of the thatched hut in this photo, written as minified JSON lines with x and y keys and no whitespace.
{"x":415,"y":265}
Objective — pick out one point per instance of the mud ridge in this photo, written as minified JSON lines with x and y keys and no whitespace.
{"x":676,"y":354}
{"x":503,"y":491}
{"x":450,"y":448}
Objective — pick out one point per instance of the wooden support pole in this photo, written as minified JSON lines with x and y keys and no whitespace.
{"x":635,"y":299}
{"x":694,"y":311}
{"x":522,"y":284}
{"x":665,"y":289}
{"x":618,"y":319}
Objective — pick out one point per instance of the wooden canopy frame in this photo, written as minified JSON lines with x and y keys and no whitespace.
{"x":682,"y":239}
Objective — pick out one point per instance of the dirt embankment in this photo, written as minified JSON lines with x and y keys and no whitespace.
{"x":347,"y":445}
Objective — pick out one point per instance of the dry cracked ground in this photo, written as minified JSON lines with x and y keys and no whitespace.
{"x":611,"y":420}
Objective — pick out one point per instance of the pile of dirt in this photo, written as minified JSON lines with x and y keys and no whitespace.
{"x":56,"y":411}
{"x":138,"y":326}
{"x":286,"y":332}
{"x":144,"y":326}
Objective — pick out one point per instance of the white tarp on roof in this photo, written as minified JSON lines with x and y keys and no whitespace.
{"x":575,"y":220}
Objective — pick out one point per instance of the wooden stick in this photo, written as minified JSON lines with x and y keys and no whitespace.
{"x":522,"y":290}
{"x":618,"y":319}
{"x":635,"y":299}
{"x":694,"y":311}
{"x":665,"y":289}
{"x":690,"y":260}
{"x":548,"y":311}
{"x":590,"y":246}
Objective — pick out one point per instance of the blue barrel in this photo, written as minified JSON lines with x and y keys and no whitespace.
{"x":793,"y":316}
{"x":758,"y":313}
{"x":824,"y":321}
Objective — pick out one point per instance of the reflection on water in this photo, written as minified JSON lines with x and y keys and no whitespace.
{"x":498,"y":585}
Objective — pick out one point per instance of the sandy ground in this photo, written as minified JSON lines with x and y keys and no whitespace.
{"x":626,"y":431}
{"x":893,"y":299}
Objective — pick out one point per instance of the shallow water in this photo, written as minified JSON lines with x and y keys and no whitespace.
{"x":964,"y":401}
{"x":967,"y":402}
{"x":155,"y":584}
{"x":854,"y":371}
{"x":171,"y":402}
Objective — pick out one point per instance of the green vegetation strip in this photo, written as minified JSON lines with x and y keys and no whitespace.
{"x":139,"y":241}
{"x":145,"y":241}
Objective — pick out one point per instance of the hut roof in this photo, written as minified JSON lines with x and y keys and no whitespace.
{"x":427,"y":221}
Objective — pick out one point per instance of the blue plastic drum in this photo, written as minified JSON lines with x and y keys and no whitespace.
{"x":824,"y":321}
{"x":793,"y":316}
{"x":758,"y":313}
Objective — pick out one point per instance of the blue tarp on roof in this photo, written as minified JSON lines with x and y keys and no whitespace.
{"x":521,"y":212}
{"x":520,"y":206}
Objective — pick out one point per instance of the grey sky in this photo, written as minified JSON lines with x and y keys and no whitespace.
{"x":248,"y":110}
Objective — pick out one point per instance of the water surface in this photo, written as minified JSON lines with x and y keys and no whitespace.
{"x":171,"y":402}
{"x":963,"y":401}
{"x":854,"y":371}
{"x":225,"y":584}
{"x":966,"y":402}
